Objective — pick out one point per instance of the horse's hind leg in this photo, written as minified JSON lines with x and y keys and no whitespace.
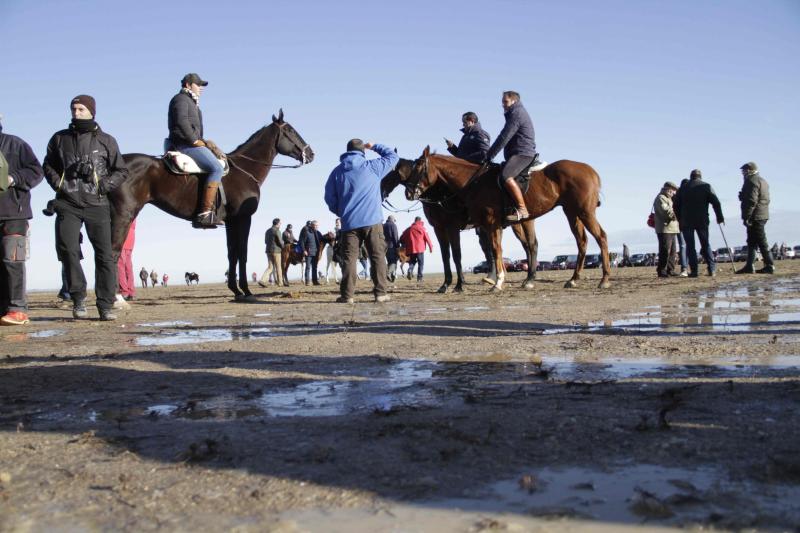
{"x":526,"y":233}
{"x":243,"y":224}
{"x":232,"y":238}
{"x":444,"y":246}
{"x":580,"y":238}
{"x":599,"y":234}
{"x":455,"y":245}
{"x":497,"y":249}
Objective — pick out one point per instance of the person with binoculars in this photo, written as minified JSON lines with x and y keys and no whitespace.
{"x":83,"y":164}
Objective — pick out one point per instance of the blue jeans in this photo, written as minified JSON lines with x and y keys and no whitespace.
{"x":311,"y":268}
{"x":705,"y":248}
{"x":682,"y":251}
{"x":205,"y":160}
{"x":419,"y":260}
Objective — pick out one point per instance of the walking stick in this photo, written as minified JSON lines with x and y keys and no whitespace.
{"x":730,"y":252}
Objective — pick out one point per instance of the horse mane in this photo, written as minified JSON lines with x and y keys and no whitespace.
{"x":259,"y":131}
{"x":456,"y":160}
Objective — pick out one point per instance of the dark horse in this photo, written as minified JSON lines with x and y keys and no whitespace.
{"x":448,"y":215}
{"x":192,"y":276}
{"x":151,"y":182}
{"x":572,"y":185}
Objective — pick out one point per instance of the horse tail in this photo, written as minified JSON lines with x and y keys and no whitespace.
{"x":599,"y":187}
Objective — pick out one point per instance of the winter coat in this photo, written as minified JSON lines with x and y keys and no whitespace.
{"x":755,"y":198}
{"x":665,"y":219}
{"x":474,"y":144}
{"x":353,"y":189}
{"x":691,"y":204}
{"x":390,"y":235}
{"x":66,"y":149}
{"x":273,"y":240}
{"x":288,"y":237}
{"x":15,"y":203}
{"x":310,"y":240}
{"x":517,"y":136}
{"x":184,"y":120}
{"x":415,"y":237}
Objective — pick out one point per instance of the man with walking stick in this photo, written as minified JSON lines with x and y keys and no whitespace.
{"x":691,"y":206}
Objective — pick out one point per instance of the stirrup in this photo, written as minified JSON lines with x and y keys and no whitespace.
{"x":204,"y":220}
{"x":518,"y":215}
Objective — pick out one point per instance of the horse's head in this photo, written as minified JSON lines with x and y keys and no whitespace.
{"x":290,"y":143}
{"x":397,"y":176}
{"x":422,"y":176}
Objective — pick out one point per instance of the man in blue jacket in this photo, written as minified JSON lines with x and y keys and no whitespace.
{"x":517,"y":140}
{"x":21,"y":172}
{"x":353,"y":193}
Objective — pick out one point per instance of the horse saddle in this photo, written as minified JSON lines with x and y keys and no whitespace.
{"x":523,"y":179}
{"x":180,"y":163}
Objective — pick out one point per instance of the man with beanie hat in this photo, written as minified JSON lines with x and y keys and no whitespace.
{"x":185,"y":123}
{"x":21,"y":172}
{"x":666,"y":226}
{"x":353,"y":193}
{"x":691,"y":206}
{"x":754,"y":198}
{"x":83,"y":165}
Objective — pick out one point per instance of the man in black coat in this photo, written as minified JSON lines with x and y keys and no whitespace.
{"x":83,"y":165}
{"x":754,"y":197}
{"x":185,"y":122}
{"x":691,"y":206}
{"x":21,"y":173}
{"x":474,"y":144}
{"x":310,"y":243}
{"x":392,"y":239}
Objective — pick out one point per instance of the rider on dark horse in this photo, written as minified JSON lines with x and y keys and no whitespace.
{"x":185,"y":123}
{"x":519,"y":148}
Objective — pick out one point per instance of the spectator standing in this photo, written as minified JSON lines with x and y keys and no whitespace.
{"x":415,"y":238}
{"x":353,"y":193}
{"x":754,"y":198}
{"x":392,"y":240}
{"x":666,"y":226}
{"x":143,"y":277}
{"x":83,"y":164}
{"x":126,"y":282}
{"x":310,"y":242}
{"x":20,"y":171}
{"x":153,"y":278}
{"x":274,"y":246}
{"x":626,"y":256}
{"x":691,"y":206}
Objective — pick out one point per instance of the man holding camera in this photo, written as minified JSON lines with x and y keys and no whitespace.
{"x":83,"y":165}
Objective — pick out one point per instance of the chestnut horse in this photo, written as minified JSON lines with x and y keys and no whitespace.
{"x":448,"y":216}
{"x":572,"y":185}
{"x":176,"y":194}
{"x":290,"y":256}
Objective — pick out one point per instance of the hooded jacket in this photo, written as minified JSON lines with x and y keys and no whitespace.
{"x":415,"y":238}
{"x":517,"y":136}
{"x":755,"y":198}
{"x":66,"y":149}
{"x":665,"y":219}
{"x":474,"y":144}
{"x":353,"y":189}
{"x":15,"y":203}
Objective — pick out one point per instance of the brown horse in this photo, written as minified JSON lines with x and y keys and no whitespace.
{"x":151,"y":182}
{"x":448,"y":215}
{"x":572,"y":185}
{"x":290,"y":255}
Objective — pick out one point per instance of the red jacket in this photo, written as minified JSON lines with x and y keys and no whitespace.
{"x":415,"y":237}
{"x":131,"y":238}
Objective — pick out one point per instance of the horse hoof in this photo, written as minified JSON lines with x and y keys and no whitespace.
{"x":604,"y":285}
{"x":570,"y":284}
{"x":527,"y":285}
{"x":442,"y":289}
{"x":489,"y":281}
{"x":458,"y":288}
{"x":496,"y":288}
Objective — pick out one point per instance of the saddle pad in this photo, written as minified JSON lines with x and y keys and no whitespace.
{"x":539,"y":166}
{"x":183,"y":164}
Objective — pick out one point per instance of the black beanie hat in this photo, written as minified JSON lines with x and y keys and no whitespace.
{"x":86,"y":100}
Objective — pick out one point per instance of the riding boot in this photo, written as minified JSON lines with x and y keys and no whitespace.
{"x":205,"y":219}
{"x":521,"y":212}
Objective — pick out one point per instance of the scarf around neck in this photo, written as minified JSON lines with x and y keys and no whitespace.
{"x":190,"y":93}
{"x":83,"y":125}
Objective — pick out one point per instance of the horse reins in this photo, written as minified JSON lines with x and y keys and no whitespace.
{"x":268,"y":164}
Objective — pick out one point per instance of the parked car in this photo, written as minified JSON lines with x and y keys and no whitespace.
{"x":592,"y":261}
{"x":723,"y":256}
{"x":796,"y":252}
{"x":560,"y":262}
{"x":740,"y":254}
{"x":520,"y":265}
{"x":483,"y":266}
{"x":572,"y":261}
{"x":544,"y":265}
{"x":789,"y":253}
{"x":638,"y":259}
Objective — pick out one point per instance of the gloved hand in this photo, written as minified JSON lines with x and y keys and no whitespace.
{"x":721,"y":221}
{"x":450,"y":144}
{"x":747,"y":223}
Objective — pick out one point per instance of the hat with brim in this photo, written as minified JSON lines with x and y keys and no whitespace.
{"x":670,"y":185}
{"x":195,"y":78}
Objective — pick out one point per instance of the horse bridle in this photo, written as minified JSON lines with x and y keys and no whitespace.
{"x":268,"y":164}
{"x":418,"y":192}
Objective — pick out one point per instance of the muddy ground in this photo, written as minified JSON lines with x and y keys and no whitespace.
{"x":655,"y":403}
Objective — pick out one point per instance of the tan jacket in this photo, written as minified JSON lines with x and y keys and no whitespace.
{"x":666,"y":222}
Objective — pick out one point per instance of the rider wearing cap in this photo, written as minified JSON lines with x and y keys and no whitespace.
{"x":518,"y":143}
{"x":185,"y":122}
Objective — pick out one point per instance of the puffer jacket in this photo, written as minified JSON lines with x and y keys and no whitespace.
{"x":184,"y":120}
{"x":15,"y":203}
{"x":665,"y":219}
{"x":755,"y":198}
{"x":517,"y":136}
{"x":474,"y":144}
{"x":66,"y":149}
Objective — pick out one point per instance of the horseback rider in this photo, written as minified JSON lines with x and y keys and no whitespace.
{"x":185,"y":123}
{"x":474,"y":144}
{"x":518,"y":143}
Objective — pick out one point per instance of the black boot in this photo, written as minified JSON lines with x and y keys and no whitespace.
{"x":747,"y":269}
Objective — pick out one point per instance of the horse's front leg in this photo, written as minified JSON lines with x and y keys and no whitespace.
{"x":243,"y":227}
{"x":455,"y":245}
{"x":232,"y":238}
{"x":444,"y":246}
{"x":526,"y":233}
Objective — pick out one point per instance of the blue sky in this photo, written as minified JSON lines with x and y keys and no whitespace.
{"x":643,"y":91}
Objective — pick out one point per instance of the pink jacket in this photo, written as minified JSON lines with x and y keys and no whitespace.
{"x":129,"y":240}
{"x":415,"y":237}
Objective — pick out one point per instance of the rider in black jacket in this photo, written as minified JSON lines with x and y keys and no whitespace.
{"x":83,"y":165}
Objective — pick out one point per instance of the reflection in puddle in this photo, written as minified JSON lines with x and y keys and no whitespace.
{"x":45,"y":333}
{"x":168,"y":324}
{"x":193,"y":336}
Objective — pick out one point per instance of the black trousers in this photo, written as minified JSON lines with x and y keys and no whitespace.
{"x":757,"y":238}
{"x":12,"y":268}
{"x":667,"y":245}
{"x":97,"y":220}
